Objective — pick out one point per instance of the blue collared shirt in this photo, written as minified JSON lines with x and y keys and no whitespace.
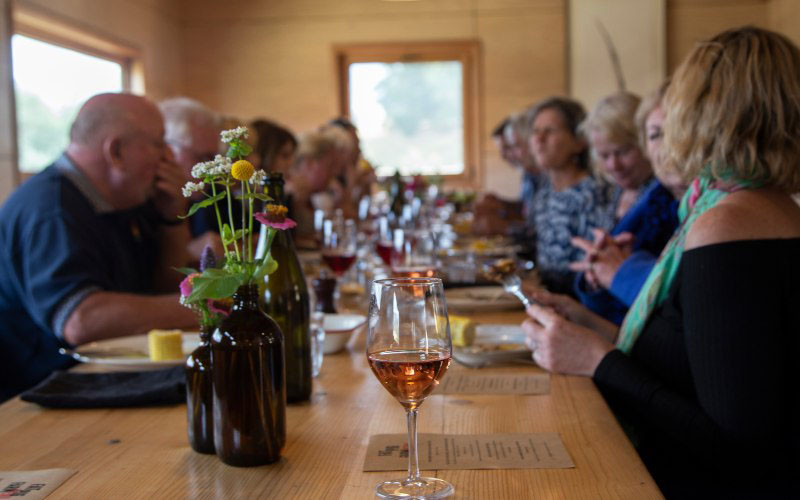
{"x":59,"y":242}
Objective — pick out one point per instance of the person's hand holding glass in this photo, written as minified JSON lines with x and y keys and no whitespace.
{"x":409,"y":350}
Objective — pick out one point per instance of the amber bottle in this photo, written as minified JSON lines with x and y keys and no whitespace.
{"x":199,"y":398}
{"x":249,"y":384}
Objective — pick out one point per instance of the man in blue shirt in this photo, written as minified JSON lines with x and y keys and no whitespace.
{"x":86,"y":244}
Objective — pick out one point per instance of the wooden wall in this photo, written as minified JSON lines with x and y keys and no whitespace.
{"x":691,"y":21}
{"x":274,"y":58}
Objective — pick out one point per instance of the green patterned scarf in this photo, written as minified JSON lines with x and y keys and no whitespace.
{"x":703,"y":194}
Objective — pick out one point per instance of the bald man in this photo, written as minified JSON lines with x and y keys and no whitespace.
{"x":87,"y":244}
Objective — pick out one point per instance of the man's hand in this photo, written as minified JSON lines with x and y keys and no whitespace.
{"x":168,"y":198}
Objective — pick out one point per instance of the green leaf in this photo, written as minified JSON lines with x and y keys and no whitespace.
{"x":227,"y":234}
{"x":245,"y":149}
{"x":218,"y":286}
{"x":268,"y":266}
{"x":239,"y":233}
{"x":201,"y":204}
{"x":262,"y":196}
{"x":185,"y":270}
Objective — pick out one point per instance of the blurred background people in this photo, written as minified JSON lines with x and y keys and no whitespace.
{"x":569,"y":201}
{"x":192,"y":134}
{"x":645,"y":212}
{"x":275,"y":146}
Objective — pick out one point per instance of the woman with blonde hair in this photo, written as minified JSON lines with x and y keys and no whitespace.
{"x":618,"y":262}
{"x":703,"y":369}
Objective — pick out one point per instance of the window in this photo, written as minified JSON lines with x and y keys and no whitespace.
{"x":55,"y":68}
{"x":414,"y":106}
{"x":46,"y":106}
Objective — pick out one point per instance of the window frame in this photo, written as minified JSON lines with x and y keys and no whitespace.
{"x":45,"y":27}
{"x":467,"y":52}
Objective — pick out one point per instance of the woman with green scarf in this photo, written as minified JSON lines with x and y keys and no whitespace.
{"x":702,"y":371}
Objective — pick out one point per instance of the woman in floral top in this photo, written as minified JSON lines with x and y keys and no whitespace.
{"x":570,"y":202}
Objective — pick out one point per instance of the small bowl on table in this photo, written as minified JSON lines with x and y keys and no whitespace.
{"x":338,"y":330}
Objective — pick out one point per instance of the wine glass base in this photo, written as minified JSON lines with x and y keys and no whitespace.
{"x":421,"y":487}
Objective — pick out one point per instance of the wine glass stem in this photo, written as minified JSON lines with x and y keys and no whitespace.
{"x":413,"y":462}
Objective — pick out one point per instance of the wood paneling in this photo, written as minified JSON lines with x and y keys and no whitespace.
{"x":691,"y":21}
{"x":275,"y":59}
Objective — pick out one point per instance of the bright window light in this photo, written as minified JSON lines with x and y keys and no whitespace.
{"x":409,"y":116}
{"x":51,"y":83}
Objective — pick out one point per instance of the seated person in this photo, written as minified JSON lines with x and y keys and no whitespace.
{"x":307,"y":183}
{"x":569,"y":202}
{"x":192,"y":133}
{"x":275,"y":146}
{"x":86,"y":244}
{"x":354,"y":175}
{"x":703,"y":371}
{"x":646,"y":211}
{"x":494,"y":215}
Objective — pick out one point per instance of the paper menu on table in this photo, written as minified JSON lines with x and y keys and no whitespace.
{"x":469,"y":451}
{"x":32,"y":484}
{"x":505,"y":383}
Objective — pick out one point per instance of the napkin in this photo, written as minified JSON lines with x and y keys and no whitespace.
{"x":64,"y":389}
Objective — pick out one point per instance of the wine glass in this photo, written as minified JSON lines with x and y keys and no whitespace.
{"x":409,"y":350}
{"x":339,"y":245}
{"x":383,"y":242}
{"x":413,"y":254}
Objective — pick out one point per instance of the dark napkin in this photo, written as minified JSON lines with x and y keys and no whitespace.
{"x":65,"y":389}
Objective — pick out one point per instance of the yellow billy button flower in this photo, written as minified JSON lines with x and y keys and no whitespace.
{"x":242,"y":170}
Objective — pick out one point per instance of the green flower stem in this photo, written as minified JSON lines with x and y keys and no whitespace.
{"x":230,"y":220}
{"x":244,"y":223}
{"x":250,"y":224}
{"x":219,"y":217}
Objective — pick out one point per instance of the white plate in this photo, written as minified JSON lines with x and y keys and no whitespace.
{"x":338,"y":329}
{"x":480,"y":299}
{"x":483,"y":352}
{"x":128,"y":353}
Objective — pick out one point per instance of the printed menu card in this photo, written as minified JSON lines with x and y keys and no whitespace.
{"x":31,"y":484}
{"x":469,"y":451}
{"x":505,"y":383}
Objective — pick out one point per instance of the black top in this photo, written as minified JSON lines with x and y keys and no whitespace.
{"x":710,"y":390}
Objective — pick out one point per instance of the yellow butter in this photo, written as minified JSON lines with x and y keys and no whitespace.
{"x":462,"y":330}
{"x":165,"y":345}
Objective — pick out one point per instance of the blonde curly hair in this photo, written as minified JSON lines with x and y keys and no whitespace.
{"x":733,"y":108}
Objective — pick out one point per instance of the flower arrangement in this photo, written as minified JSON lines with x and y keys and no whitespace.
{"x":206,"y":290}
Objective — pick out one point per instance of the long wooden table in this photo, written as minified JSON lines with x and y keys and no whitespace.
{"x":143,"y":453}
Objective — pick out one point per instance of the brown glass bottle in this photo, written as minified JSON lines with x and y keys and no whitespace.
{"x":249,"y":384}
{"x":286,"y":300}
{"x":199,"y":397}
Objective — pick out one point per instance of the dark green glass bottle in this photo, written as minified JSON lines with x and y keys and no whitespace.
{"x":249,"y":389}
{"x":287,"y":302}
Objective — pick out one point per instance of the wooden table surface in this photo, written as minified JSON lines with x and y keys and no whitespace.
{"x":143,"y":453}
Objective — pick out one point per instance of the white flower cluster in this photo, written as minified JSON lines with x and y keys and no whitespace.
{"x":236,"y":133}
{"x":191,"y":188}
{"x":258,"y":177}
{"x":220,"y":165}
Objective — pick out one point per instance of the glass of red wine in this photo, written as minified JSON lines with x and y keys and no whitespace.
{"x":339,"y":245}
{"x":409,"y":350}
{"x":384,"y":242}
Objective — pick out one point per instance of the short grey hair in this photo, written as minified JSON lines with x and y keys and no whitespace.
{"x":180,"y":114}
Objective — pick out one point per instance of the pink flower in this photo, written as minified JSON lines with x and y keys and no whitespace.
{"x":186,"y":284}
{"x":274,"y":216}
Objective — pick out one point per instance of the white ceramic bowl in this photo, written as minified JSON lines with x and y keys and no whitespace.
{"x":338,"y":330}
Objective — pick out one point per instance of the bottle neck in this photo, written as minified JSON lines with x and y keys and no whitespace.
{"x":246,"y":298}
